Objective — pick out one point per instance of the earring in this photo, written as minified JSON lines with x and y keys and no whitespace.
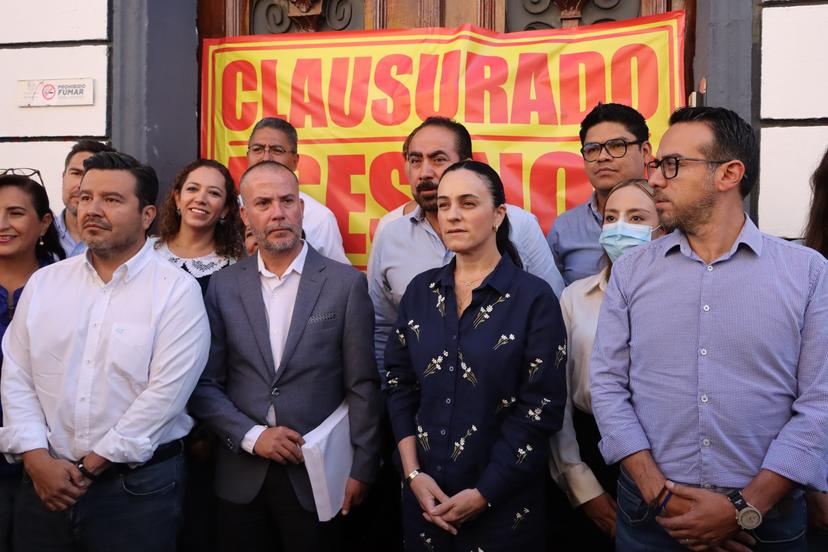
{"x":177,"y":212}
{"x":221,"y":220}
{"x":40,"y":242}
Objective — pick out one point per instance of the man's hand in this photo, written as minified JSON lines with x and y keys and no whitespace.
{"x":355,"y":491}
{"x":601,"y":510}
{"x":281,"y":444}
{"x":817,"y":510}
{"x":465,"y":505}
{"x":58,"y":483}
{"x":429,"y":494}
{"x":710,"y":520}
{"x":95,"y":464}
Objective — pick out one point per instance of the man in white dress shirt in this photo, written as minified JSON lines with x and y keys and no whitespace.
{"x":100,"y":359}
{"x":275,"y":139}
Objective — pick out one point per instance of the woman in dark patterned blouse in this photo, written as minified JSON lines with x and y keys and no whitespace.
{"x":476,"y":381}
{"x":200,"y":228}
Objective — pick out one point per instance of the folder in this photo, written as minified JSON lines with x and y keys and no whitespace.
{"x":328,"y":458}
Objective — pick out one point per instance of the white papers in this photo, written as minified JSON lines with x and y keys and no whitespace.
{"x":328,"y":457}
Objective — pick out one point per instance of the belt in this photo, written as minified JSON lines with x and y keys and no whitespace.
{"x":162,"y":453}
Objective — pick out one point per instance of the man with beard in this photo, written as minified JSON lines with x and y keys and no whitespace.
{"x":615,"y":147}
{"x":102,"y":354}
{"x":292,"y":335}
{"x":718,"y":437}
{"x":411,"y":243}
{"x":67,"y":222}
{"x":275,"y":139}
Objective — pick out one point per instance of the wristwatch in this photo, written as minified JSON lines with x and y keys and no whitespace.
{"x":747,"y":516}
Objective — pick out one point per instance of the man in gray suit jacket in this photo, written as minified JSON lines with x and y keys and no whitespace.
{"x":291,"y":338}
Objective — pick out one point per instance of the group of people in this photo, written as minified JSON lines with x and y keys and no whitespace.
{"x":656,"y":357}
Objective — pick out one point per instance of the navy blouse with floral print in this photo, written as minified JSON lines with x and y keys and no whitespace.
{"x":482,"y":394}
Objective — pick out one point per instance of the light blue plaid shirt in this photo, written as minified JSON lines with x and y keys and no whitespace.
{"x":720,"y":370}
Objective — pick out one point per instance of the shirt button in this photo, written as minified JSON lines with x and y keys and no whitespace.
{"x":706,"y":442}
{"x":439,"y":468}
{"x":706,"y":308}
{"x":451,"y":368}
{"x":707,"y":485}
{"x":703,"y":352}
{"x":704,"y":398}
{"x":454,"y":337}
{"x":448,"y":401}
{"x":710,"y":268}
{"x":443,"y":431}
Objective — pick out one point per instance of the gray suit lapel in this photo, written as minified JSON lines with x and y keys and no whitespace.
{"x":250,"y":289}
{"x":310,"y":286}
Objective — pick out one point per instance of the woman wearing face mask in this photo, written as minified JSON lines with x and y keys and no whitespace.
{"x":475,"y":381}
{"x":630,"y":219}
{"x":28,"y":241}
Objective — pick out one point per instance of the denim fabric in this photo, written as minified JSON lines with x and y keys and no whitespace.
{"x":638,"y":531}
{"x":136,"y":511}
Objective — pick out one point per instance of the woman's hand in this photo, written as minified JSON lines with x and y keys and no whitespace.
{"x":465,"y":505}
{"x":601,"y":510}
{"x":429,"y":495}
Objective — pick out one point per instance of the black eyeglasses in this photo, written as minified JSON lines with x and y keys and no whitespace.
{"x":260,"y":149}
{"x":616,"y":148}
{"x":22,"y":171}
{"x":670,"y":165}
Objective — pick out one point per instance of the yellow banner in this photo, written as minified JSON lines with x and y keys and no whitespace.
{"x":354,"y":97}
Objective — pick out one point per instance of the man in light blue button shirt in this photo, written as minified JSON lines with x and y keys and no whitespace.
{"x":615,"y":148}
{"x":411,"y":243}
{"x":710,"y":366}
{"x":67,"y":221}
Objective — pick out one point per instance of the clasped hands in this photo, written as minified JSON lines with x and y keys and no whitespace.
{"x":59,"y":483}
{"x":447,"y":513}
{"x":703,"y":520}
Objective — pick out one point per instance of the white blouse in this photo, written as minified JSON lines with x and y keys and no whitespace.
{"x":198,"y":267}
{"x":580,"y":306}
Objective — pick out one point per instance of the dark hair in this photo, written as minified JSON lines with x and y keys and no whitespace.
{"x":816,"y":232}
{"x":462,"y":139}
{"x":227,"y":234}
{"x":279,"y":124}
{"x":51,"y":247}
{"x":640,"y":183}
{"x":89,"y":146}
{"x":264,"y":164}
{"x":622,"y":114}
{"x":733,"y":138}
{"x":495,"y":186}
{"x":146,"y":181}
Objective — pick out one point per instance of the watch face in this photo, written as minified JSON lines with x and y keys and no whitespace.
{"x":750,"y":518}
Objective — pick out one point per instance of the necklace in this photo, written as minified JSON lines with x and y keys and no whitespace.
{"x":470,"y":283}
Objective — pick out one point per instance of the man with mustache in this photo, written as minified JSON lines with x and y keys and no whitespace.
{"x":411,"y":243}
{"x":102,"y":354}
{"x":718,"y":437}
{"x":292,"y":338}
{"x":67,"y":222}
{"x":615,"y":147}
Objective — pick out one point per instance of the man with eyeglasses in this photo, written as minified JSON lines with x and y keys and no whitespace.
{"x":73,"y":171}
{"x":615,"y":148}
{"x":275,"y":139}
{"x":709,"y":373}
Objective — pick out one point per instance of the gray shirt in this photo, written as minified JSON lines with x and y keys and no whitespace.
{"x":573,"y":240}
{"x":409,"y":245}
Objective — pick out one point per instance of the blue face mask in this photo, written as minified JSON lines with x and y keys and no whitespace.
{"x":619,"y":236}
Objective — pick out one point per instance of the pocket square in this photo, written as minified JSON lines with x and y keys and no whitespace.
{"x":321,"y":317}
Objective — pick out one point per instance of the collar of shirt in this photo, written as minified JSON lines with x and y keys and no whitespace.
{"x":60,"y":223}
{"x":593,"y":208}
{"x":749,"y":235}
{"x":127,"y":271}
{"x":272,"y":281}
{"x":499,"y":279}
{"x":595,"y":282}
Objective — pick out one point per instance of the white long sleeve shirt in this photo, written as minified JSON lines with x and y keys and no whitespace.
{"x":580,"y":305}
{"x":321,"y":230}
{"x":103,"y":367}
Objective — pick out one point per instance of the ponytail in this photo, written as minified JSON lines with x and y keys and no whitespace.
{"x":504,"y":243}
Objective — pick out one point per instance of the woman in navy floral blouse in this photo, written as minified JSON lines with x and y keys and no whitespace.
{"x":476,"y":381}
